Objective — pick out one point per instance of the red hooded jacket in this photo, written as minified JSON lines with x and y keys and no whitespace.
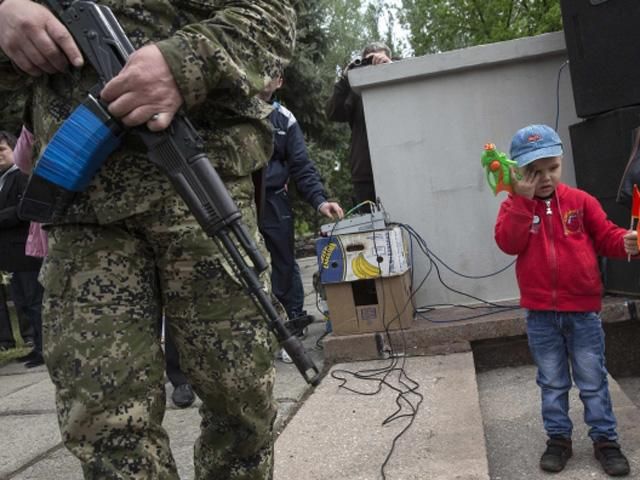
{"x":557,"y":242}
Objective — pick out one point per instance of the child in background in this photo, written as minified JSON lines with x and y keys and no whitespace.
{"x":557,"y":232}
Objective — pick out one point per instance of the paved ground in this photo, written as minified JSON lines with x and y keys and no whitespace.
{"x":510,"y":403}
{"x":422,"y":413}
{"x":30,"y":447}
{"x":421,"y":418}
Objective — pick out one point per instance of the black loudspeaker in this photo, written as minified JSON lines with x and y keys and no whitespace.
{"x":601,"y":149}
{"x":603,"y":39}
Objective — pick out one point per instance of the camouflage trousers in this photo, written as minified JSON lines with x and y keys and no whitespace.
{"x":106,"y":286}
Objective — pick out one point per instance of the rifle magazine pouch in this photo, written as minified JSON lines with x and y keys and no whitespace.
{"x":71,"y":160}
{"x":43,"y":201}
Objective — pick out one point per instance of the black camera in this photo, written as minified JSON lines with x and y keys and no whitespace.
{"x":361,"y":62}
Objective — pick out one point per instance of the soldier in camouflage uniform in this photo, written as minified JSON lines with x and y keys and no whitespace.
{"x":129,"y":239}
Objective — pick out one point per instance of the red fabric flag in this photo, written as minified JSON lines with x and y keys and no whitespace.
{"x":635,"y":204}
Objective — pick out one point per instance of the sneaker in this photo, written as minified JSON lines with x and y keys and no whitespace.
{"x":556,"y":455}
{"x":183,"y":396}
{"x":32,"y":355}
{"x":611,"y":458}
{"x":284,"y":356}
{"x":36,"y":361}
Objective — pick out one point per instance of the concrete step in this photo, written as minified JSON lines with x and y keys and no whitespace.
{"x":515,"y":438}
{"x":340,"y":435}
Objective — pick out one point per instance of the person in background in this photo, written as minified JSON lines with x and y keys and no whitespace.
{"x":290,"y":161}
{"x":182,"y":395}
{"x":7,"y":340}
{"x":557,"y":233}
{"x":26,"y":291}
{"x":23,"y":156}
{"x":345,"y":105}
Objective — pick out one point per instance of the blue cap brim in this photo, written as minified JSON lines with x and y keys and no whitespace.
{"x":527,"y":158}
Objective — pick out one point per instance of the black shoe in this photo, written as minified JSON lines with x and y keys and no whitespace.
{"x":28,"y":342}
{"x":183,"y":396}
{"x":556,"y":455}
{"x":32,"y":355}
{"x":611,"y":458}
{"x":36,"y":362}
{"x":298,"y":325}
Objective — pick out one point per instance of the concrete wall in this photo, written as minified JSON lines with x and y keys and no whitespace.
{"x":428,"y":119}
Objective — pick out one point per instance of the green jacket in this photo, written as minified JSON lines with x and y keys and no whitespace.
{"x":221,"y":53}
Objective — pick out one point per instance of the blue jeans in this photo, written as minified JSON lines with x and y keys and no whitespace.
{"x":557,"y":339}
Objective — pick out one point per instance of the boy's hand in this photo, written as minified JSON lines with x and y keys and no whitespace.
{"x":631,"y":242}
{"x":526,"y":186}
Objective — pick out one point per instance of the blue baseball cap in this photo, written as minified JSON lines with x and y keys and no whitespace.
{"x":533,"y":142}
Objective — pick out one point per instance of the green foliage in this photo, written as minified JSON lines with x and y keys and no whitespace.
{"x":330,"y":34}
{"x":441,"y":25}
{"x":20,"y":350}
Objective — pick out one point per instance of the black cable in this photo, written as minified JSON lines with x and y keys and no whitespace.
{"x":429,"y":253}
{"x":319,"y":345}
{"x":408,"y":399}
{"x":407,"y":395}
{"x":558,"y":93}
{"x":403,"y":400}
{"x":433,"y":265}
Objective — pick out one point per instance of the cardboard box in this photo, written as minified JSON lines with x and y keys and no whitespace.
{"x":359,"y":256}
{"x":366,"y":306}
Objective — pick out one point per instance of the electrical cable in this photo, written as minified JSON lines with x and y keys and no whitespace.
{"x":558,"y":93}
{"x":433,"y":265}
{"x":408,"y":399}
{"x":394,"y":375}
{"x":405,"y":394}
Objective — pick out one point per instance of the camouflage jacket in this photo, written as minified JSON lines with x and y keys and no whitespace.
{"x":221,"y":53}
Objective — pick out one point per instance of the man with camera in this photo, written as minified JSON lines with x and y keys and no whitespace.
{"x":345,"y":105}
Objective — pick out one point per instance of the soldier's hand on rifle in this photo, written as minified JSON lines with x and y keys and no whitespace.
{"x":35,"y":40}
{"x":144,"y":91}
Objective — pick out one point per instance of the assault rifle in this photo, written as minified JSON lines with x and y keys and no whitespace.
{"x":91,"y":134}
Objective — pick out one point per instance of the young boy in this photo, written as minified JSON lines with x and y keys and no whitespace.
{"x":557,"y":232}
